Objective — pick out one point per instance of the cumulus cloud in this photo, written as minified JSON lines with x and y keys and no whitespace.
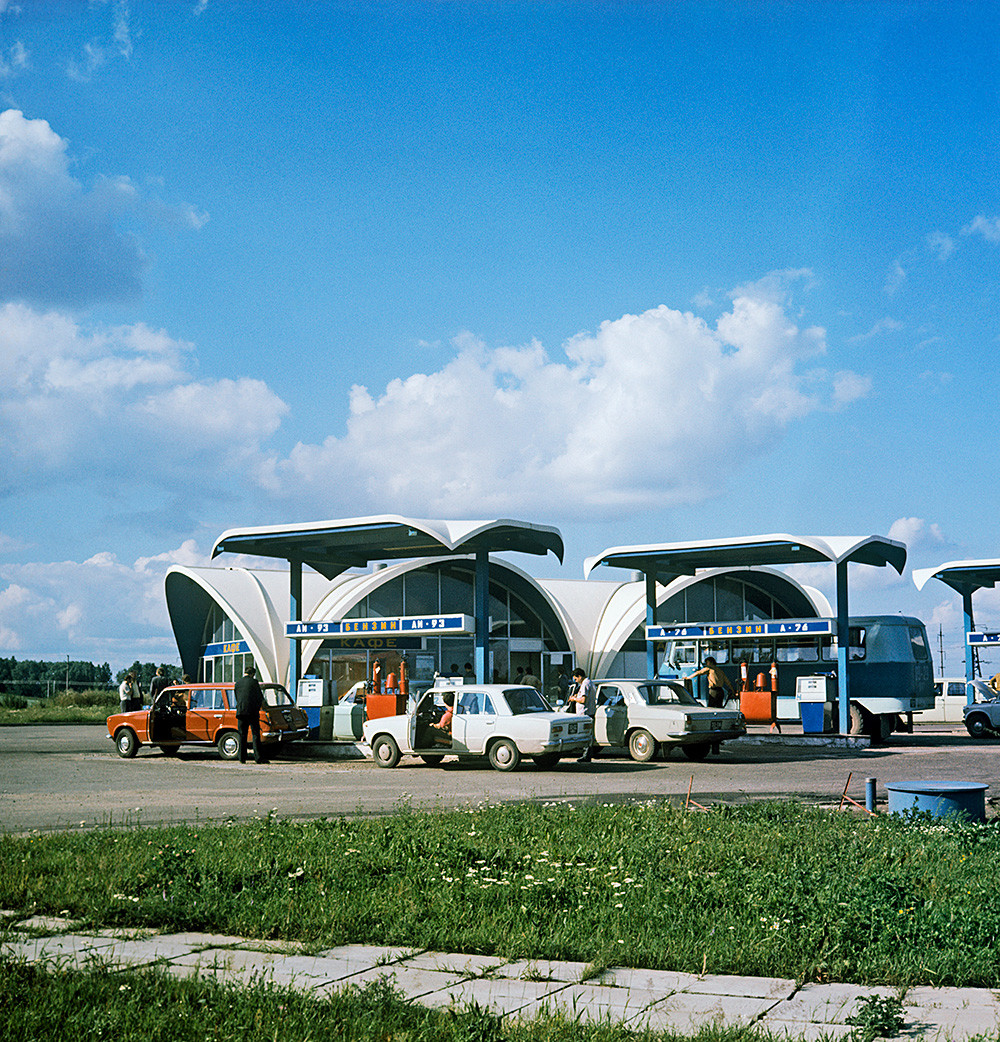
{"x":60,"y":243}
{"x":651,"y":410}
{"x":115,"y":403}
{"x":45,"y":607}
{"x":916,"y":533}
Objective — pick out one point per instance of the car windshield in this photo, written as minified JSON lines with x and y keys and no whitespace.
{"x":276,"y":695}
{"x":526,"y":700}
{"x":666,"y":695}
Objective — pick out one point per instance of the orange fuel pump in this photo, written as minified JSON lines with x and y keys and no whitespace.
{"x":760,"y":706}
{"x":383,"y":703}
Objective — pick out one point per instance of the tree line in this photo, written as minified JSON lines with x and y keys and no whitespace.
{"x":34,"y":678}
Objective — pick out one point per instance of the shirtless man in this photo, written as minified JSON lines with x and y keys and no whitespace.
{"x":718,"y":683}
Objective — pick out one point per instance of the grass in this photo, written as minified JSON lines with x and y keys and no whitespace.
{"x":84,"y":1005}
{"x":765,"y":889}
{"x":70,"y":707}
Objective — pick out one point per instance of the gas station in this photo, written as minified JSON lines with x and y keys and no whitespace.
{"x":662,"y":562}
{"x":965,"y":578}
{"x":421,"y":597}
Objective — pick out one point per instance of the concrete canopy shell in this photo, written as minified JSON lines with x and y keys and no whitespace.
{"x":667,"y":560}
{"x":961,"y":576}
{"x":332,"y":547}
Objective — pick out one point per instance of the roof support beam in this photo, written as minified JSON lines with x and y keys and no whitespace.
{"x":482,"y":609}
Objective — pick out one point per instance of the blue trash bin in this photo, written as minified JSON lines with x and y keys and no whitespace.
{"x":812,"y":717}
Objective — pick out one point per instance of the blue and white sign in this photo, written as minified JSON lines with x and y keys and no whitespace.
{"x":228,"y":647}
{"x":985,"y":637}
{"x":724,"y":630}
{"x":425,"y":625}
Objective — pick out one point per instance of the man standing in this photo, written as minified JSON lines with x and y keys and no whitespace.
{"x":157,"y":684}
{"x":249,"y":699}
{"x":585,"y":696}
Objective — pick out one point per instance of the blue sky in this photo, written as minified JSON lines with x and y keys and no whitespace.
{"x":643,"y":271}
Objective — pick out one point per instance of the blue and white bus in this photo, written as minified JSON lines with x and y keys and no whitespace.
{"x":891,"y":674}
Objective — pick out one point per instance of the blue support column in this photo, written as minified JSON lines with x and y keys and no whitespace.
{"x":969,"y":626}
{"x":295,"y":615}
{"x":650,"y":621}
{"x":482,"y":600}
{"x":843,"y":642}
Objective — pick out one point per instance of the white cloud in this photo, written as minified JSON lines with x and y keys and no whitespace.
{"x":895,"y":279}
{"x":654,"y":409}
{"x":916,"y":533}
{"x":123,"y":387}
{"x":59,"y":242}
{"x":987,"y":227}
{"x":942,"y":244}
{"x":46,"y":608}
{"x":884,"y":325}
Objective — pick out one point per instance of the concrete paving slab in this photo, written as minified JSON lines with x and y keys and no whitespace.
{"x":826,"y":1003}
{"x":662,"y":982}
{"x":145,"y":951}
{"x":601,"y":1003}
{"x":503,"y":996}
{"x":807,"y":1031}
{"x":48,"y":924}
{"x":544,"y":969}
{"x":750,"y":987}
{"x":372,"y":954}
{"x":449,"y":962}
{"x":62,"y":950}
{"x":305,"y":972}
{"x":950,"y":1013}
{"x":688,"y":1012}
{"x":412,"y":984}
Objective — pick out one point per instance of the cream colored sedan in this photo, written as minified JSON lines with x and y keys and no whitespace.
{"x":645,"y":716}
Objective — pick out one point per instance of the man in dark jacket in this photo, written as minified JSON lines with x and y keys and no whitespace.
{"x":158,"y":683}
{"x":249,"y":699}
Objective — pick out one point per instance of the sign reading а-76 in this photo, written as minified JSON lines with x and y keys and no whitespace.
{"x":429,"y":625}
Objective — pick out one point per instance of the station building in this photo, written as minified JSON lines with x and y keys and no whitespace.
{"x":225,"y":617}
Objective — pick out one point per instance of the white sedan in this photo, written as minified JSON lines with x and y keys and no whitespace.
{"x":498,"y":721}
{"x":645,"y":716}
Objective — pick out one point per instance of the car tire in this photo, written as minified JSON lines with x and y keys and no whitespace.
{"x":126,"y":743}
{"x":978,"y":725}
{"x":642,"y":746}
{"x":697,"y":750}
{"x":228,"y":744}
{"x":385,"y":752}
{"x":432,"y":759}
{"x":504,"y":755}
{"x":546,"y":761}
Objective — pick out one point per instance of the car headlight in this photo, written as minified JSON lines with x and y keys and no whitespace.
{"x":557,"y":729}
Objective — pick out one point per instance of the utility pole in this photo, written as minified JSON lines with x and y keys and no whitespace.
{"x":941,"y":648}
{"x":67,"y":674}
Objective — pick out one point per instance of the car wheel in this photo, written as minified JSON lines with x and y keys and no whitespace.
{"x":228,"y":744}
{"x":385,"y":752}
{"x":432,"y":759}
{"x":642,"y":746}
{"x":978,"y":725}
{"x":546,"y":761}
{"x":697,"y":751}
{"x":126,"y":743}
{"x":504,"y":755}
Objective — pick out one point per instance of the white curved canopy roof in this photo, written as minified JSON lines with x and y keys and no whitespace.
{"x":331,"y":547}
{"x":671,"y":559}
{"x":962,"y":576}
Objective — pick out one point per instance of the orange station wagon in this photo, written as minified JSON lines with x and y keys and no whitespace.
{"x":204,"y":714}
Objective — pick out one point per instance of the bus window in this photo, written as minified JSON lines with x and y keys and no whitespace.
{"x":719,"y":651}
{"x":682,"y":653}
{"x":918,"y":643}
{"x":797,"y":651}
{"x":856,"y":648}
{"x":757,"y":650}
